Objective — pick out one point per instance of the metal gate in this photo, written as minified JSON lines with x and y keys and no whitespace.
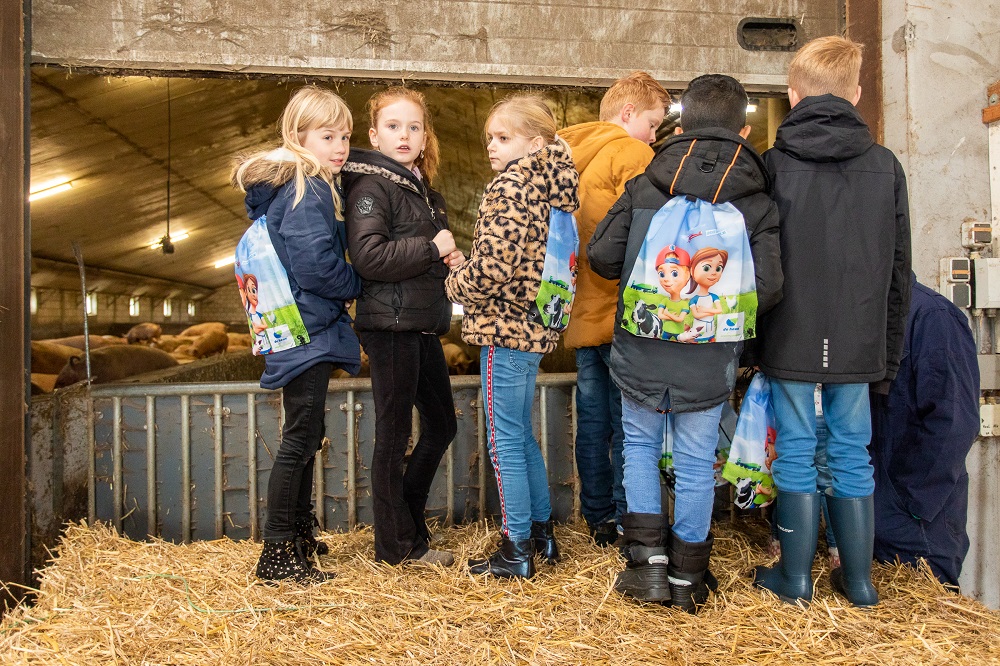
{"x":191,"y":461}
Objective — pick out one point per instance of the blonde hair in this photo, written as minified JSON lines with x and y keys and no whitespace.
{"x":430,"y":157}
{"x":309,"y":108}
{"x":639,"y":89}
{"x":527,"y":116}
{"x":827,"y":65}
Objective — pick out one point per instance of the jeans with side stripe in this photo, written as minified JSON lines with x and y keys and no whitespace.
{"x":508,"y":379}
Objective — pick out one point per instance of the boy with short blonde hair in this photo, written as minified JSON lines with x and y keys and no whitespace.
{"x":845,"y":253}
{"x":607,"y":153}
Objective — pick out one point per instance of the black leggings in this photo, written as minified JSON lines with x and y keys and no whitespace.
{"x":408,"y":369}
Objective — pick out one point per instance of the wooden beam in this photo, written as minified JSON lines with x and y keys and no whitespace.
{"x":14,"y":47}
{"x":864,"y":25}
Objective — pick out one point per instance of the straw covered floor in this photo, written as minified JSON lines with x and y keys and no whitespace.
{"x":108,"y":600}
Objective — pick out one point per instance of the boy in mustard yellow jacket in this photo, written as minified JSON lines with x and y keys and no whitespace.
{"x":607,"y":153}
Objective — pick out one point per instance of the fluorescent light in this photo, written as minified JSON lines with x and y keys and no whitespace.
{"x":225,"y":262}
{"x":49,"y":188}
{"x":675,"y":107}
{"x":174,"y":237}
{"x":751,"y":108}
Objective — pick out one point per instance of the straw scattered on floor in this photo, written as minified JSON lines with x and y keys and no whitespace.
{"x":108,"y":600}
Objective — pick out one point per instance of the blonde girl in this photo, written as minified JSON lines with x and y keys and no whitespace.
{"x":296,"y":187}
{"x":498,"y":286}
{"x":397,"y":231}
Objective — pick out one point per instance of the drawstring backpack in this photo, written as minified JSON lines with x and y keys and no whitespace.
{"x":748,"y":467}
{"x":554,"y":302}
{"x":272,"y":315}
{"x":693,"y":280}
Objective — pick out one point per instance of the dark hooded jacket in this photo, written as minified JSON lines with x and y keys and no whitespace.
{"x":310,"y":243}
{"x":845,"y":249}
{"x":669,"y":375}
{"x":392,"y":216}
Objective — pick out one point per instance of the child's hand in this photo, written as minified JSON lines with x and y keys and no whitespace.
{"x":444,"y":242}
{"x":456,"y":258}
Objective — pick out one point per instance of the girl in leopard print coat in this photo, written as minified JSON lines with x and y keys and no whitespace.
{"x":498,"y":286}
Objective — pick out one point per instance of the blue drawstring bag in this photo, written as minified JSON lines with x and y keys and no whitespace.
{"x":272,"y":315}
{"x":554,"y":302}
{"x":749,"y":465}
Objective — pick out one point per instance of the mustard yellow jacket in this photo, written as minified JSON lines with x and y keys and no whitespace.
{"x":606,"y":158}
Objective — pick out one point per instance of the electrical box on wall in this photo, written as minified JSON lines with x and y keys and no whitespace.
{"x":976,"y":234}
{"x":986,"y":291}
{"x":954,"y":279}
{"x":989,"y":420}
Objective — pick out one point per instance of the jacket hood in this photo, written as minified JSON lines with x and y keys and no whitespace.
{"x":587,"y":140}
{"x":713,"y":164}
{"x":552,"y":171}
{"x":825,"y":128}
{"x":263,"y":178}
{"x":361,"y":161}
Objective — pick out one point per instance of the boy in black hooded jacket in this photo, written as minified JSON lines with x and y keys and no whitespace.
{"x":845,"y":252}
{"x":687,"y":370}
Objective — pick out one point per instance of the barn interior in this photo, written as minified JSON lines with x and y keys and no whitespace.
{"x":117,"y":159}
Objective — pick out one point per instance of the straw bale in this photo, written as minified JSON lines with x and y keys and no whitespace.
{"x":107,"y":600}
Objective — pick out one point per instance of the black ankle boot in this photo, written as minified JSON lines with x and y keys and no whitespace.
{"x":688,"y":571}
{"x":543,"y":539}
{"x":304,"y":526}
{"x":282,"y":560}
{"x":604,"y":534}
{"x":514,"y":559}
{"x":645,"y":574}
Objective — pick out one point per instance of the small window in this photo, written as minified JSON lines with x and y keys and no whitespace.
{"x":168,"y":307}
{"x":92,"y":303}
{"x":133,"y":306}
{"x":769,"y":34}
{"x":33,"y":303}
{"x":190,"y":308}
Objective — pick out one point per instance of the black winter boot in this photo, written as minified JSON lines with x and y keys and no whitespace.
{"x":304,"y":526}
{"x":543,"y":539}
{"x":514,"y":559}
{"x":853,"y":523}
{"x":688,"y":572}
{"x":282,"y":560}
{"x":645,"y":574}
{"x":797,"y":515}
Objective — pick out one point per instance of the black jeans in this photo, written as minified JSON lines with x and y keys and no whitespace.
{"x":289,"y":488}
{"x":407,"y":369}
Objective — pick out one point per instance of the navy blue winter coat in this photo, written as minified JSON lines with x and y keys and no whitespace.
{"x":311,"y":244}
{"x":921,"y":435}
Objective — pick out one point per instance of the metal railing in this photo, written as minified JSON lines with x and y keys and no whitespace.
{"x":159,"y":453}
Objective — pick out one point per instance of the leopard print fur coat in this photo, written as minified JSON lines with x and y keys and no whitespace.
{"x":501,"y":278}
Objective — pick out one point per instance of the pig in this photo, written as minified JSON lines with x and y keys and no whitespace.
{"x":49,"y":357}
{"x":169,"y":343}
{"x":115,"y":362}
{"x":240,"y":340}
{"x":207,"y":344}
{"x":457,"y":360}
{"x":42,"y":383}
{"x":96,"y":341}
{"x":142,"y":334}
{"x":201,"y":329}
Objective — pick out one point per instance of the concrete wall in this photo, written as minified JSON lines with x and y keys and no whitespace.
{"x":553,"y":42}
{"x":938,"y":59}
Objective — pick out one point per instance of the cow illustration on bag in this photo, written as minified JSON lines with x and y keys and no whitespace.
{"x":554,"y":303}
{"x":274,"y":319}
{"x":694,"y":274}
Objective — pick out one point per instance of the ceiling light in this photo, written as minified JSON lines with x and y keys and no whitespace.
{"x":225,"y":262}
{"x":752,"y":105}
{"x":174,"y":237}
{"x":675,"y":107}
{"x":50,"y":188}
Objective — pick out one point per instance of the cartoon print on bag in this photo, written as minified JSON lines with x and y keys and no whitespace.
{"x":673,"y":268}
{"x":707,"y":264}
{"x":646,"y":322}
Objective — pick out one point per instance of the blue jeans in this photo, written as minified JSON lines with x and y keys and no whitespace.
{"x":695,"y":437}
{"x":822,"y":482}
{"x":600,"y":459}
{"x":508,"y":377}
{"x":848,"y":421}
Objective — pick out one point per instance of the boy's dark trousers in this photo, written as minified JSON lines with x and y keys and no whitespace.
{"x":289,"y":488}
{"x":407,"y":369}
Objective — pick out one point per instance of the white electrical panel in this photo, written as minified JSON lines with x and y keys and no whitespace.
{"x":976,"y":234}
{"x":986,"y":292}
